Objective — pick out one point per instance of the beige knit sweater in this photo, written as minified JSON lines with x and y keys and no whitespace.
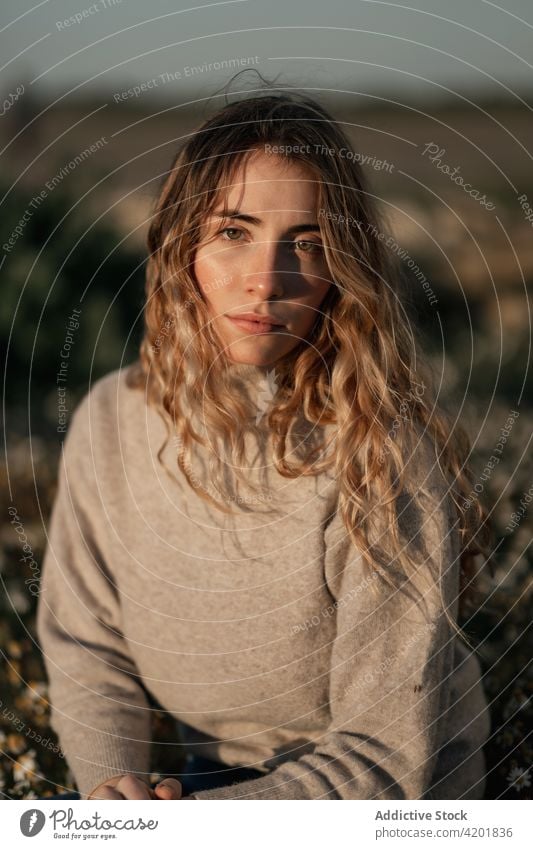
{"x":258,"y":633}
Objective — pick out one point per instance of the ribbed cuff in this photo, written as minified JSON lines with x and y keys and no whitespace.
{"x":271,"y":786}
{"x":95,"y":755}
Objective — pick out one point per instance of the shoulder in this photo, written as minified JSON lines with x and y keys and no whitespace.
{"x":99,"y":414}
{"x":427,"y":488}
{"x":424,"y":465}
{"x":423,"y":511}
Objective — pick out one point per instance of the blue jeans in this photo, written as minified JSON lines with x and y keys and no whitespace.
{"x":200,"y":774}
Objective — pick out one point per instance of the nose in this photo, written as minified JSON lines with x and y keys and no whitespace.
{"x":264,"y":275}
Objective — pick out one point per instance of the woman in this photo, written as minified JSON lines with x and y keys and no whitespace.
{"x":259,"y":523}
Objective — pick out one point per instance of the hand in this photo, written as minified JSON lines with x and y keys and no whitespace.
{"x":169,"y":788}
{"x":130,"y":786}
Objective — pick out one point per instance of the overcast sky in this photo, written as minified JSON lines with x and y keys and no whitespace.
{"x":383,"y":48}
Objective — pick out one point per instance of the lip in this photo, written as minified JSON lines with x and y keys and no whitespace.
{"x":254,"y":323}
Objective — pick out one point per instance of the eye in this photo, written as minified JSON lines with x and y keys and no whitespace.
{"x":308,"y":247}
{"x":231,"y":234}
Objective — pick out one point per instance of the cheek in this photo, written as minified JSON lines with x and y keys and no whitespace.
{"x":214,"y":278}
{"x":204,"y":263}
{"x":213,"y":270}
{"x":320,"y":291}
{"x":312,"y":306}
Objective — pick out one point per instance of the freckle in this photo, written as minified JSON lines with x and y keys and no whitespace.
{"x":418,"y":687}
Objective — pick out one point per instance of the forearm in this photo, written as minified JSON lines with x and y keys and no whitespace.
{"x":99,"y":749}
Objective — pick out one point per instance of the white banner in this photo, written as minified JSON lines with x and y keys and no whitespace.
{"x":264,"y":824}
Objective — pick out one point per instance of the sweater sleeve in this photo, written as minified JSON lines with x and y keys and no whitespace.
{"x":99,"y":708}
{"x":389,"y":677}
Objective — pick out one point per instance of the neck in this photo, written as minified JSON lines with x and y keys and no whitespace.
{"x":249,"y":371}
{"x":258,"y":383}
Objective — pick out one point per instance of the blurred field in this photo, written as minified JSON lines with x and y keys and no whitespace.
{"x":83,"y":248}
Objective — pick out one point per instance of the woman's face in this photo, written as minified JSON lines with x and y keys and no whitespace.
{"x":265,"y":258}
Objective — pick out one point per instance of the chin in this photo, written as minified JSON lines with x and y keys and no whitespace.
{"x":252,"y":358}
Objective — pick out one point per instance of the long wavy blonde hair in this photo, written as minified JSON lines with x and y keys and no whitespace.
{"x":358,"y":370}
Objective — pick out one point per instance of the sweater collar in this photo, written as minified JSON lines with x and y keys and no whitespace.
{"x":259,"y":382}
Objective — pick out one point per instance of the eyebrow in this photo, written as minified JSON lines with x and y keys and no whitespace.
{"x":235,"y":215}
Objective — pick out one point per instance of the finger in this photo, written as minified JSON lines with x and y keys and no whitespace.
{"x":107,"y":792}
{"x":169,"y":788}
{"x":133,"y":788}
